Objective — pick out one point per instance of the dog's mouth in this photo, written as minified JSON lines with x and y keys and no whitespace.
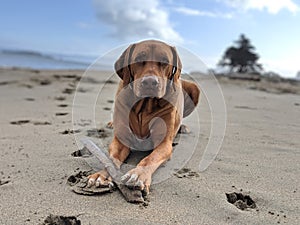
{"x":149,"y":92}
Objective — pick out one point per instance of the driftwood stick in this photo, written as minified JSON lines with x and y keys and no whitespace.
{"x":133,"y":196}
{"x":101,"y":156}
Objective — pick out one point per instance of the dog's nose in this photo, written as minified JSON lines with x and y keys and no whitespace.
{"x":150,"y":82}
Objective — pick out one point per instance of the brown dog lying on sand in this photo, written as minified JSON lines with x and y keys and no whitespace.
{"x":150,"y":103}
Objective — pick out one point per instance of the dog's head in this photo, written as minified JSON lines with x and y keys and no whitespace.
{"x":149,"y":67}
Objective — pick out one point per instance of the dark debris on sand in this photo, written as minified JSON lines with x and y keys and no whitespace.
{"x":61,"y":220}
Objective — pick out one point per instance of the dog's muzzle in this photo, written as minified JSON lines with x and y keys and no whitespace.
{"x":149,"y":82}
{"x":149,"y":86}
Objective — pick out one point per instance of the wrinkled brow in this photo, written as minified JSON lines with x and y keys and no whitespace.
{"x":141,"y":56}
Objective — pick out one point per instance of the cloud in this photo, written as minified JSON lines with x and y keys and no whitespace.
{"x":132,"y":19}
{"x":194,"y":12}
{"x":272,"y":6}
{"x":84,"y":25}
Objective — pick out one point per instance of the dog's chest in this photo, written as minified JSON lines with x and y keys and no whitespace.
{"x":143,"y":115}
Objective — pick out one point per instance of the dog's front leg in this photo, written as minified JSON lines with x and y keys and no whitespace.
{"x":118,"y":153}
{"x":141,"y":176}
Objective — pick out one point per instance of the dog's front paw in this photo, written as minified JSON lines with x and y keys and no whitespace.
{"x":100,"y":179}
{"x":138,"y":178}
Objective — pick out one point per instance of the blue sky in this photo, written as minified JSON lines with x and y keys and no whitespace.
{"x":205,"y":27}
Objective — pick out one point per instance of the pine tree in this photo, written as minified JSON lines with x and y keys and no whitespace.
{"x":241,"y":58}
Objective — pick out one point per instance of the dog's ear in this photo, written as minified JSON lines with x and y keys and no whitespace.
{"x":122,"y":65}
{"x":177,"y":65}
{"x":191,"y":96}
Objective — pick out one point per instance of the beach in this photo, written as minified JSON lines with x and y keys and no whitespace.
{"x":259,"y":157}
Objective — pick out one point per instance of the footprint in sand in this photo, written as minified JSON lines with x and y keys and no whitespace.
{"x":61,"y":220}
{"x":62,"y":105}
{"x":61,"y":114}
{"x":20,"y":122}
{"x":70,"y":131}
{"x":41,"y":123}
{"x":241,"y":201}
{"x":67,"y":76}
{"x":7,"y":82}
{"x":68,"y":91}
{"x":40,"y":81}
{"x":186,"y":173}
{"x":2,"y":182}
{"x":98,"y":133}
{"x":29,"y":99}
{"x":81,"y":153}
{"x":60,"y":98}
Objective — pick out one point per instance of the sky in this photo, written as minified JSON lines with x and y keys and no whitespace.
{"x":206,"y":27}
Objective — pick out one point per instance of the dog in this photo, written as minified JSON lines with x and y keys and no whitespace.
{"x":150,"y":103}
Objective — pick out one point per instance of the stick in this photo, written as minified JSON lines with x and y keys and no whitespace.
{"x":133,"y":196}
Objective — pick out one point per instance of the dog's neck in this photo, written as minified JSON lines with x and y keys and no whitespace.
{"x":149,"y":105}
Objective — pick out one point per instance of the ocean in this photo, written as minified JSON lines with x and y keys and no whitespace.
{"x":38,"y":60}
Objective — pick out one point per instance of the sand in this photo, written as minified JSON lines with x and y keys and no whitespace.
{"x":259,"y":158}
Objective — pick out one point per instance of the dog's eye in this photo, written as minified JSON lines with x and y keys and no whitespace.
{"x":164,"y":62}
{"x":140,"y":61}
